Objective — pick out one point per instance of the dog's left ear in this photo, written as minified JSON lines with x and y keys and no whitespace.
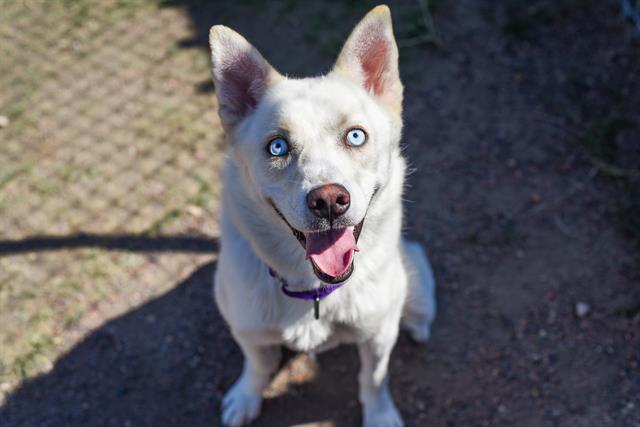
{"x":370,"y":58}
{"x":241,"y":75}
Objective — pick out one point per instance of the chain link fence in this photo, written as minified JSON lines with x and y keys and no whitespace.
{"x":107,"y":136}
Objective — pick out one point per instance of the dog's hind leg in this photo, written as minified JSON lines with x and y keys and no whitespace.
{"x":242,"y":402}
{"x":420,"y":306}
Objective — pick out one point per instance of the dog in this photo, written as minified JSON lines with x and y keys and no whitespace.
{"x":312,"y":254}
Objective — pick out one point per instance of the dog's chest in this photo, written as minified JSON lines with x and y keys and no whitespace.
{"x":351,"y":314}
{"x":317,"y":335}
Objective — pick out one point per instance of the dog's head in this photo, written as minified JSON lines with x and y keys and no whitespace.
{"x":315,"y":149}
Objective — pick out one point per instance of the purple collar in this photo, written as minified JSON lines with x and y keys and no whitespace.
{"x":314,"y":295}
{"x":320,"y":293}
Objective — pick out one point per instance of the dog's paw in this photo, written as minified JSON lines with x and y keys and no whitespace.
{"x":240,"y":407}
{"x":420,"y":331}
{"x":387,"y":417}
{"x":418,"y":326}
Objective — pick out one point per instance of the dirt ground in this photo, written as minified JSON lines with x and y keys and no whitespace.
{"x":522,"y":122}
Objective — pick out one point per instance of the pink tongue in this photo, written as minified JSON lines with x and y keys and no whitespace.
{"x":332,"y":250}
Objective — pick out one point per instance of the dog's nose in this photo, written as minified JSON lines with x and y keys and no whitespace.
{"x":328,"y":201}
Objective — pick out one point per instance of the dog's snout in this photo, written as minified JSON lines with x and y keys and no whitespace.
{"x":329,"y":201}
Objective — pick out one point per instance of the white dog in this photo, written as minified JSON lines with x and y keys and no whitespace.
{"x":311,"y":247}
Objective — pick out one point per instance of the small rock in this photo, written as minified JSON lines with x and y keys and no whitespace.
{"x":536,"y":198}
{"x":4,"y":121}
{"x":582,"y":309}
{"x":630,"y":407}
{"x":195,"y":211}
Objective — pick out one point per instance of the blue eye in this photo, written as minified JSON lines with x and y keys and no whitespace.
{"x":356,"y":137}
{"x":278,"y":147}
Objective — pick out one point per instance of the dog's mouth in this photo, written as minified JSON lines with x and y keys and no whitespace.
{"x":330,"y":252}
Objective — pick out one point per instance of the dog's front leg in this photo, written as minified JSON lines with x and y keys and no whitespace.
{"x":242,"y":402}
{"x":378,"y":408}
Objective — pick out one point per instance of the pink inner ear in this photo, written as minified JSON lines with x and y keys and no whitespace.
{"x":244,"y":80}
{"x":374,"y":60}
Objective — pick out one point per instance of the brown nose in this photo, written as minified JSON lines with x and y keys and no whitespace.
{"x":328,"y":201}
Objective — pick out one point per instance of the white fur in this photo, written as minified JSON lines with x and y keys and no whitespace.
{"x":392,"y":277}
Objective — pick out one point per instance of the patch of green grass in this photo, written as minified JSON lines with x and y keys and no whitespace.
{"x":415,"y":32}
{"x":72,"y":318}
{"x":79,"y":11}
{"x":70,"y":173}
{"x":67,"y":173}
{"x":175,"y":119}
{"x":600,"y":143}
{"x":170,"y":3}
{"x":166,"y":219}
{"x":35,"y":359}
{"x":24,"y":86}
{"x":94,"y":270}
{"x":600,"y":139}
{"x":430,"y":32}
{"x":45,"y":187}
{"x":10,"y":176}
{"x":131,"y":4}
{"x":601,"y":147}
{"x":173,"y":50}
{"x":205,"y":194}
{"x":201,"y":62}
{"x":203,"y":198}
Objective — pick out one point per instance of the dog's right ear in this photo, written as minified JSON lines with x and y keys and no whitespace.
{"x":369,"y":57}
{"x":240,"y":74}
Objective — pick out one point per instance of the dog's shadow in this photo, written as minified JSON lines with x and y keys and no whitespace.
{"x":168,"y":363}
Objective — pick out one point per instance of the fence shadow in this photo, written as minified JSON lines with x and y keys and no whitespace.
{"x":120,"y":242}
